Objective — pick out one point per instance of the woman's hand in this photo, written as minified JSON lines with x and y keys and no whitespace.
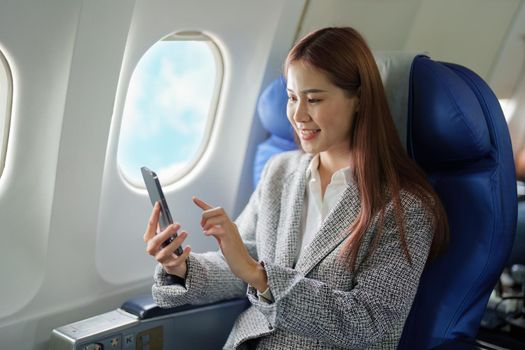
{"x":171,"y":262}
{"x":215,"y":222}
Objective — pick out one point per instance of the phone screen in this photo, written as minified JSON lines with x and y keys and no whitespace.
{"x":157,"y":195}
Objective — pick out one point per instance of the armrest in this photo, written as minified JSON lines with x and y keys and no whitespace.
{"x":140,"y":321}
{"x":145,"y":308}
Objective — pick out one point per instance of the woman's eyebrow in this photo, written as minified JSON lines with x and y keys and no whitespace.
{"x":308,"y":91}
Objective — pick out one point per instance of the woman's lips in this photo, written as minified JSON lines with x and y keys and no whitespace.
{"x":309,"y":134}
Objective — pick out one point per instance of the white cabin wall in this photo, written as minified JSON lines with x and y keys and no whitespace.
{"x":508,"y":78}
{"x":467,"y":32}
{"x":38,"y":40}
{"x":245,"y":32}
{"x":66,"y":58}
{"x":384,"y":24}
{"x":509,"y":66}
{"x":76,"y":250}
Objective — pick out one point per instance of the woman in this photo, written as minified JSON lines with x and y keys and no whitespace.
{"x":333,"y":241}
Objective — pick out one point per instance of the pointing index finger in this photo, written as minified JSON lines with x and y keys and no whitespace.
{"x":201,"y":204}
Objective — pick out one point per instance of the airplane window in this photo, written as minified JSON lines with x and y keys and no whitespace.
{"x":169,"y":107}
{"x":6,"y":87}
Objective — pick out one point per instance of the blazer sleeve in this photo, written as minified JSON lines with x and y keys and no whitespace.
{"x":208,"y":277}
{"x":385,"y":288}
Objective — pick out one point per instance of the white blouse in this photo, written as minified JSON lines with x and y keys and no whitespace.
{"x":316,"y":206}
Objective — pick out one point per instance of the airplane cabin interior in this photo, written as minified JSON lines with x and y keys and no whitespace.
{"x":93,"y":90}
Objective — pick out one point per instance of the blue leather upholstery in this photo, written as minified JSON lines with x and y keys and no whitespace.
{"x":468,"y":158}
{"x":458,"y":135}
{"x":272,"y":113}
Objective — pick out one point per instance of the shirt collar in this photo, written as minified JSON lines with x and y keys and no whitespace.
{"x":343,"y":175}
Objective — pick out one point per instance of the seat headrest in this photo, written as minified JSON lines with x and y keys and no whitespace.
{"x":272,"y":109}
{"x":394,"y":68}
{"x":448,"y":123}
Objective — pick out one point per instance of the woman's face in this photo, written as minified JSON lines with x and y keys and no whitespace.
{"x":320,"y":112}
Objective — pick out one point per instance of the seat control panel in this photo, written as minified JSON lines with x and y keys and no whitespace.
{"x":115,"y":330}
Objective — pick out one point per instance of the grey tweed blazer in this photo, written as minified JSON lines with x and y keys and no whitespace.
{"x":319,"y":303}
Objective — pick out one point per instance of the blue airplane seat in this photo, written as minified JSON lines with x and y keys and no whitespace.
{"x":458,"y":135}
{"x":271,"y":109}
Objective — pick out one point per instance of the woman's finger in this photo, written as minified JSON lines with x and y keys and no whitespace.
{"x":218,"y":211}
{"x":214,"y":213}
{"x":155,"y":243}
{"x":216,"y":231}
{"x":201,"y":204}
{"x":178,"y":260}
{"x":217,"y":220}
{"x":151,"y":228}
{"x":171,"y":230}
{"x":167,"y":253}
{"x":175,"y":244}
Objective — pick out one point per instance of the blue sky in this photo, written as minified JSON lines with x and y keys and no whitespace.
{"x":166,"y":108}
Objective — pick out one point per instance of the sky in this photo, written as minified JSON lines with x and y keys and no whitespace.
{"x":166,"y":108}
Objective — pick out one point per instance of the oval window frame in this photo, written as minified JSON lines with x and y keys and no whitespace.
{"x":6,"y":97}
{"x":167,"y":179}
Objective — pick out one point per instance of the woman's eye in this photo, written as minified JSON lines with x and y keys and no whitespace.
{"x":292,"y":98}
{"x":313,"y":100}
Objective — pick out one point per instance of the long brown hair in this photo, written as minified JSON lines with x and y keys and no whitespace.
{"x":381,"y":167}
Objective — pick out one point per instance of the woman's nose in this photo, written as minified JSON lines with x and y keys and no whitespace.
{"x":300,"y":113}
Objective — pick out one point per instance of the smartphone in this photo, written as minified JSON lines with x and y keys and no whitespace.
{"x":156,"y":195}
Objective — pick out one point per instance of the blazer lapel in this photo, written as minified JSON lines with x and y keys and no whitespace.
{"x":333,"y":230}
{"x":290,"y":222}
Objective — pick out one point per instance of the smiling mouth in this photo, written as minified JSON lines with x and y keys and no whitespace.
{"x":309,"y":134}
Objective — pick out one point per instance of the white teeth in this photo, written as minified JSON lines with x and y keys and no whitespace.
{"x":309,"y":132}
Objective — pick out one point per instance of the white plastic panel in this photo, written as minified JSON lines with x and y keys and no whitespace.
{"x":467,"y":32}
{"x":65,"y":58}
{"x":385,"y":24}
{"x":244,"y":32}
{"x":38,"y":44}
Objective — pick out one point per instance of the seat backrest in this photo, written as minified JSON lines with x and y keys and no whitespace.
{"x":458,"y":135}
{"x":456,"y":132}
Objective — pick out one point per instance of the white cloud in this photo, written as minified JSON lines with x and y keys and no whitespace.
{"x":135,"y":123}
{"x":183,"y":94}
